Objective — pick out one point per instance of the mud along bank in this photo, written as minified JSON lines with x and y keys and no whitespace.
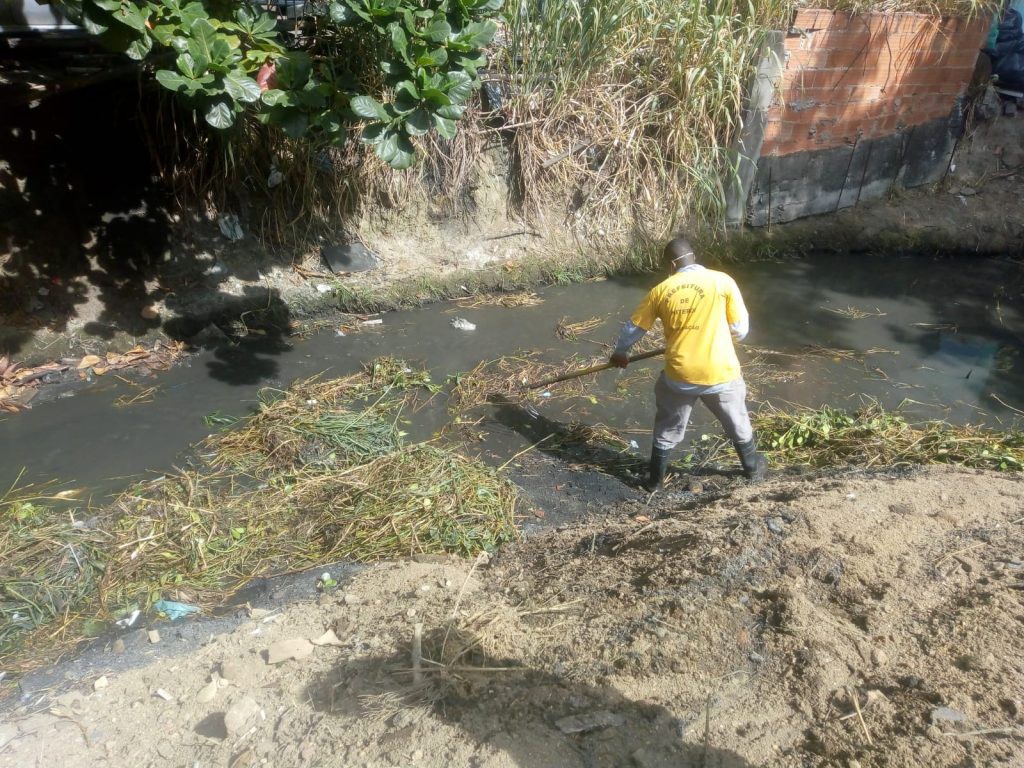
{"x":854,"y":621}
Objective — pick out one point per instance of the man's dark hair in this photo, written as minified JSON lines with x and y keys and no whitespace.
{"x":679,"y":253}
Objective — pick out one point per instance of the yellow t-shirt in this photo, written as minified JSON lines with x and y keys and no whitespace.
{"x":696,"y":307}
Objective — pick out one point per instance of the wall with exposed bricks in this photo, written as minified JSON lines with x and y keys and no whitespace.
{"x":862,"y":102}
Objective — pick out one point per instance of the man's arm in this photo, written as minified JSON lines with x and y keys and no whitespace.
{"x":736,"y":312}
{"x":631,"y":333}
{"x":633,"y":330}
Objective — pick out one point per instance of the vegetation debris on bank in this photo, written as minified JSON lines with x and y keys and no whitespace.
{"x":318,"y":474}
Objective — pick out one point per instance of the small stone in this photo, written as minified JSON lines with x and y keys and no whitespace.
{"x":154,"y":636}
{"x":661,"y":632}
{"x":403,"y":719}
{"x":695,"y":486}
{"x":947,"y":716}
{"x":240,"y":715}
{"x":245,"y":759}
{"x":230,"y":669}
{"x":757,"y":658}
{"x":646,"y":758}
{"x":417,"y":755}
{"x":1012,"y":707}
{"x":210,"y":336}
{"x":424,"y":588}
{"x":589,"y":722}
{"x":118,"y":646}
{"x":911,"y":682}
{"x":411,"y":612}
{"x":162,"y":694}
{"x":851,"y":763}
{"x":879,"y":657}
{"x":776,"y":524}
{"x":901,"y":509}
{"x":295,"y":648}
{"x":967,"y":564}
{"x":349,"y":257}
{"x":149,"y":313}
{"x":208,"y":692}
{"x":100,"y":683}
{"x":328,"y":638}
{"x":969,"y":662}
{"x":351,"y":599}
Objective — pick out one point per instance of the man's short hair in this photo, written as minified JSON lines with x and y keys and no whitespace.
{"x":677,"y":249}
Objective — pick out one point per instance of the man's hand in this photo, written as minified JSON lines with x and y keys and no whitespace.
{"x":619,"y":360}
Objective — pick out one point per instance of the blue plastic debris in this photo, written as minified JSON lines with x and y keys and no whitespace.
{"x":175,"y":611}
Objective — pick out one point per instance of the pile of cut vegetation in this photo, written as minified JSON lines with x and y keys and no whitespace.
{"x":318,"y":474}
{"x":872,"y":438}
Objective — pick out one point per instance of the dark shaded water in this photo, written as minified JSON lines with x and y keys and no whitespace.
{"x":946,"y":334}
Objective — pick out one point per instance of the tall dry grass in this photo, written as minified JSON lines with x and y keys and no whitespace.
{"x":626,"y":108}
{"x":617,"y":118}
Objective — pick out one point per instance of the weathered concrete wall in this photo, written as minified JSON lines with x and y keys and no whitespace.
{"x":864,"y":103}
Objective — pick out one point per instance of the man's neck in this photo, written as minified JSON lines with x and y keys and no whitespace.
{"x":688,"y":267}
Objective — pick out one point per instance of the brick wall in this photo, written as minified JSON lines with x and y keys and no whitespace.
{"x":851,"y":77}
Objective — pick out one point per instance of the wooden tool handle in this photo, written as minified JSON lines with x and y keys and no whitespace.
{"x":592,"y":369}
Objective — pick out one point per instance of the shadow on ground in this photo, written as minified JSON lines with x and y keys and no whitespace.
{"x":518,"y":713}
{"x":89,"y":233}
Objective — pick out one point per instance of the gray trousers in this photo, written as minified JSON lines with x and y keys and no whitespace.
{"x":674,"y":409}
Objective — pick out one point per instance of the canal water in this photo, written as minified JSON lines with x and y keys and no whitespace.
{"x":938,"y":338}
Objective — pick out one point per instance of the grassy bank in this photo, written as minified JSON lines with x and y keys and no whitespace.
{"x":609,"y":114}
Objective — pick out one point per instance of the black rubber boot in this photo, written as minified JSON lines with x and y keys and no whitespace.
{"x":755,"y":465}
{"x":659,"y":465}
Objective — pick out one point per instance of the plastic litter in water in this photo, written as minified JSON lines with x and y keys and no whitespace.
{"x":462,"y":324}
{"x":378,"y":321}
{"x":175,"y":611}
{"x":127,"y":621}
{"x":323,"y":288}
{"x":634,"y":445}
{"x":545,"y":394}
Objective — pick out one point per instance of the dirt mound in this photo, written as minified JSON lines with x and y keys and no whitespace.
{"x":846,"y":621}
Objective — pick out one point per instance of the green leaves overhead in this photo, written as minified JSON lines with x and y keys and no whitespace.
{"x":368,"y":108}
{"x":426,"y":53}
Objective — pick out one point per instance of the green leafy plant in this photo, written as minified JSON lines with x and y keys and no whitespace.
{"x":424,"y":63}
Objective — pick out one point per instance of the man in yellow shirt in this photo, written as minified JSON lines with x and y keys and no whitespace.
{"x":701,"y":311}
